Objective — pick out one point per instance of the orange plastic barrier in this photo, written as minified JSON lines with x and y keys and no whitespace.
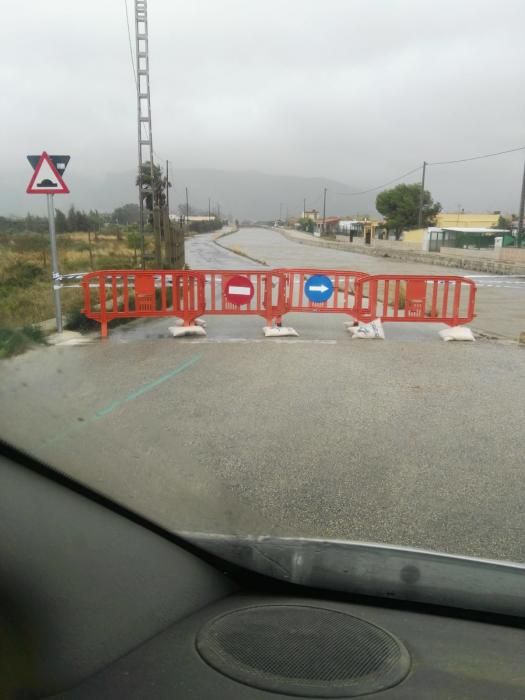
{"x":267,"y":299}
{"x":341,"y":301}
{"x":110,"y":294}
{"x":446,"y":299}
{"x":188,"y":294}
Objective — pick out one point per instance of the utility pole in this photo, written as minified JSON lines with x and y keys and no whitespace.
{"x":304,"y":207}
{"x":170,"y":243}
{"x":145,"y":140}
{"x":280,"y":211}
{"x":421,"y":197}
{"x":519,"y":236}
{"x":324,"y":212}
{"x":167,"y":189}
{"x":219,"y":212}
{"x":209,"y":208}
{"x":187,"y":207}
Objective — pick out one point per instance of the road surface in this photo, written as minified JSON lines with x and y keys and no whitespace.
{"x":500,"y":303}
{"x":407,"y":441}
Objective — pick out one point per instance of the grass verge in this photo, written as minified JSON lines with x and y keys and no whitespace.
{"x":14,"y":341}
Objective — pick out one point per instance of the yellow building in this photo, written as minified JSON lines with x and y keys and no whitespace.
{"x":313,"y":214}
{"x":466,"y":220}
{"x":454,"y":220}
{"x":414,"y":236}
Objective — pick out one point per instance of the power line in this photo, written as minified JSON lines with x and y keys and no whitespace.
{"x":313,"y":200}
{"x":440,"y":162}
{"x":374,"y":189}
{"x":486,"y":155}
{"x":131,"y":45}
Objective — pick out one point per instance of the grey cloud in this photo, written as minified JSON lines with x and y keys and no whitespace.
{"x":353,"y":91}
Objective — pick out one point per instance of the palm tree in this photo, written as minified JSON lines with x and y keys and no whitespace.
{"x":159,"y":185}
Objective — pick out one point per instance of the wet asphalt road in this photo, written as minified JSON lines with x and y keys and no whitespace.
{"x":500,"y":300}
{"x":408,"y":441}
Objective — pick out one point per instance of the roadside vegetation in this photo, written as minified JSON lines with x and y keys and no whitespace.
{"x":14,"y":341}
{"x":25,"y":269}
{"x":86,"y":241}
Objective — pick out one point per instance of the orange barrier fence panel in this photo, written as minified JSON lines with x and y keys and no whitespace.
{"x":188,"y":294}
{"x":342,"y":299}
{"x":245,"y":292}
{"x":446,"y":299}
{"x":110,"y":294}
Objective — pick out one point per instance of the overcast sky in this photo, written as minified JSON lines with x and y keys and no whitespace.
{"x":358,"y":91}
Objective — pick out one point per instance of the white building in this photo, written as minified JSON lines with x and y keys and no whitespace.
{"x":347,"y":225}
{"x":190,"y":219}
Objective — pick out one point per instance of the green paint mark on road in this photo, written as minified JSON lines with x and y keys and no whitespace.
{"x":103,"y":412}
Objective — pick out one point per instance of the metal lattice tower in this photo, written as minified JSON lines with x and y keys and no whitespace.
{"x":145,"y":138}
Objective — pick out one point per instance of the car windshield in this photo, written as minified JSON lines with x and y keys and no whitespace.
{"x":262,"y":264}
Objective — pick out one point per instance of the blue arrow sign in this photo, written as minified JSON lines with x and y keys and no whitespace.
{"x":318,"y":288}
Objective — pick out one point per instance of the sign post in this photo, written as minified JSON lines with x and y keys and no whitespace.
{"x":47,"y":180}
{"x":55,"y":274}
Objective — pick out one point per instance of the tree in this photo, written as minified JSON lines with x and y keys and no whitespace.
{"x":82,"y":221}
{"x":36,"y":224}
{"x":60,"y":221}
{"x":400,"y":207}
{"x":159,"y":185}
{"x":307,"y":224}
{"x":71,"y":218}
{"x":8,"y":225}
{"x":134,"y":242}
{"x":503,"y":223}
{"x":127,"y":214}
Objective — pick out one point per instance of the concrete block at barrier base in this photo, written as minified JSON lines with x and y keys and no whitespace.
{"x":181,"y":331}
{"x":279,"y":331}
{"x":197,"y":322}
{"x":457,"y":333}
{"x":372,"y":330}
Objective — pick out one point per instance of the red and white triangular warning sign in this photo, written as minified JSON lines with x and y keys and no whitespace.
{"x":46,"y":178}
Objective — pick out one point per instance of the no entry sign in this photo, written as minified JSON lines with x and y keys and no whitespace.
{"x":239,"y":290}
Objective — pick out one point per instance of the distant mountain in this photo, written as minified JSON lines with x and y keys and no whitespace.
{"x":241,"y":194}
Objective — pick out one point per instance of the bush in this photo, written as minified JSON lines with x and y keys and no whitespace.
{"x":307,"y":224}
{"x":21,"y":274}
{"x":17,"y":341}
{"x":29,"y":243}
{"x":76,"y":321}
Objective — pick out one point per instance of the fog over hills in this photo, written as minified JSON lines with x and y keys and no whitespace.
{"x":243,"y":194}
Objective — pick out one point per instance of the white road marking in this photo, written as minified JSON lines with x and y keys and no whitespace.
{"x":243,"y":291}
{"x":499,"y":281}
{"x":473,"y":277}
{"x":288,"y":341}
